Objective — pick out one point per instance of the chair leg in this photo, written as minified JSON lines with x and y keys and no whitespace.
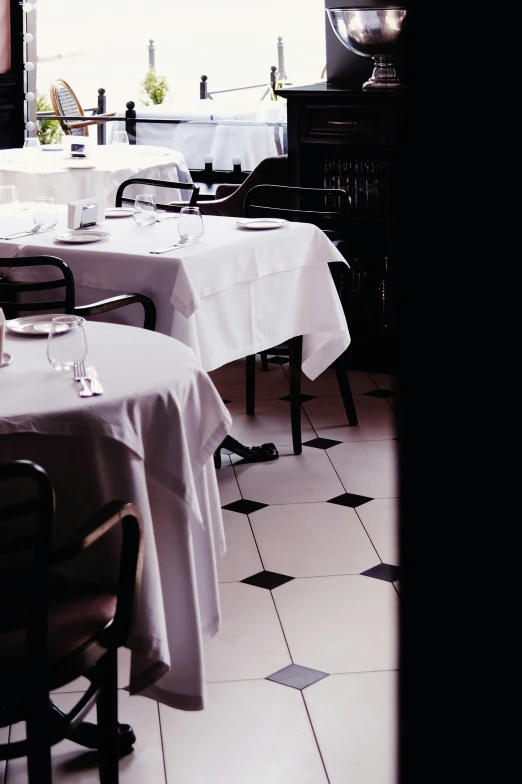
{"x":264,"y":360}
{"x":341,"y":371}
{"x":38,"y":742}
{"x":251,"y":384}
{"x":296,"y":354}
{"x":107,"y":714}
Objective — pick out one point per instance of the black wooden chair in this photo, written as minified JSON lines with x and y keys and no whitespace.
{"x":54,"y":629}
{"x":326,"y":208}
{"x":173,"y":206}
{"x":10,"y":292}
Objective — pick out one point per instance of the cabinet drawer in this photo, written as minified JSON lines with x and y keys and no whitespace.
{"x":351,"y":123}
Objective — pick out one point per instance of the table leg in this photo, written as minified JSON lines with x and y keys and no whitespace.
{"x":254,"y":454}
{"x":87,"y":734}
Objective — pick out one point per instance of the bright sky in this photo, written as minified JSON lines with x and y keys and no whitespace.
{"x":234,"y":42}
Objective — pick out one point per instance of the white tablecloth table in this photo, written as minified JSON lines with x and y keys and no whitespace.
{"x":235,"y":293}
{"x":148,"y":439}
{"x":46,"y":173}
{"x":219,"y":127}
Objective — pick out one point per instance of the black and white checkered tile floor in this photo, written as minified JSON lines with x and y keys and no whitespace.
{"x":302,"y":677}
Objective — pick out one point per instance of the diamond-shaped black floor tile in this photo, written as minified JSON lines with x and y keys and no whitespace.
{"x":268,"y":580}
{"x":304,"y":398}
{"x":380,"y":393}
{"x":383,"y":572}
{"x":244,"y":507}
{"x":226,"y":401}
{"x":278,"y":360}
{"x":296,"y":676}
{"x":349,"y":499}
{"x":321,"y":443}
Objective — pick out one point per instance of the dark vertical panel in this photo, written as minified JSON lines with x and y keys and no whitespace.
{"x":12,"y":86}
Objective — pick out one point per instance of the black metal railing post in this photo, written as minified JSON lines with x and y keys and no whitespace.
{"x":130,"y":121}
{"x":102,"y":109}
{"x":273,"y":78}
{"x":203,"y":87}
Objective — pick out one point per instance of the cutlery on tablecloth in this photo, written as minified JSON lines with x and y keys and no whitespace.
{"x":35,"y":230}
{"x":96,"y":387}
{"x":180,"y":244}
{"x":80,"y":375}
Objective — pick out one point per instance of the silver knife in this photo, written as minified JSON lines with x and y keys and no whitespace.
{"x":92,"y":375}
{"x":173,"y":247}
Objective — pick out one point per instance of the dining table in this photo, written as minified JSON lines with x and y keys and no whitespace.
{"x":149,"y":439}
{"x":238,"y":291}
{"x":51,"y":171}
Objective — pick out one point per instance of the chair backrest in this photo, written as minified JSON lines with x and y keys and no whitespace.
{"x":273,"y":170}
{"x":11,"y":290}
{"x":65,"y":102}
{"x":326,"y":208}
{"x":171,"y":207}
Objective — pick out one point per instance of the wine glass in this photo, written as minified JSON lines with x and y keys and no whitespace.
{"x":120,"y":137}
{"x":45,"y":212}
{"x":190,"y":224}
{"x":145,"y":211}
{"x":9,"y":201}
{"x":66,"y":343}
{"x":32,"y":143}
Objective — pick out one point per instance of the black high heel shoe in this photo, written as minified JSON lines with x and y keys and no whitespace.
{"x":255,"y":454}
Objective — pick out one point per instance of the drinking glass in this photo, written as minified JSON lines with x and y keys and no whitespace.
{"x":32,"y":143}
{"x":9,"y":198}
{"x":190,"y":224}
{"x":66,"y":343}
{"x":120,"y":137}
{"x":45,"y":213}
{"x":145,"y":211}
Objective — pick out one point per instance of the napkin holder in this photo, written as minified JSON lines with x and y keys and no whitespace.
{"x":77,"y":147}
{"x":85,"y":213}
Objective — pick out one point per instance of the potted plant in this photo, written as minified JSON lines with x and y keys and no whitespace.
{"x":154,"y":88}
{"x":48,"y":131}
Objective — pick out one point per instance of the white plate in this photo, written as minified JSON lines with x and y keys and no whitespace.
{"x":118,"y":212}
{"x":261,"y":223}
{"x":39,"y":325}
{"x":81,"y":236}
{"x":79,"y":164}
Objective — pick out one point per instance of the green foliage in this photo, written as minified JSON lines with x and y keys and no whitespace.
{"x":154,"y":88}
{"x":49,"y":131}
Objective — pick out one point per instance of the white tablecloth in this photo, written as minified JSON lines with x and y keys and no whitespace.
{"x":236,"y":293}
{"x":148,"y":439}
{"x":214,"y":127}
{"x":46,"y":173}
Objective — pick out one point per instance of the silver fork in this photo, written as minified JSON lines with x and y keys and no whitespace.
{"x":172,"y":247}
{"x":22,"y":234}
{"x":80,"y":375}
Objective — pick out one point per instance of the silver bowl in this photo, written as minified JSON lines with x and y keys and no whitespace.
{"x":371,"y":32}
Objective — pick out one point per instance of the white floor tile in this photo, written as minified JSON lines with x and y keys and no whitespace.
{"x":355,"y":722}
{"x":328,"y":417}
{"x":250,"y":643}
{"x":227,"y":482}
{"x":291,"y":479}
{"x":367,"y":468}
{"x":340,"y":624}
{"x":230,"y":381}
{"x":304,"y":540}
{"x":380,"y":518}
{"x":384,"y":380}
{"x":271,"y":422}
{"x":73,"y":764}
{"x":241,"y":558}
{"x":251,"y":732}
{"x":326,"y":384}
{"x":81,"y":684}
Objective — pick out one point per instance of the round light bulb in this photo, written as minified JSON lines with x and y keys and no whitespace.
{"x":28,"y":38}
{"x":29,"y":66}
{"x":27,"y":7}
{"x":30,"y":97}
{"x":30,"y":126}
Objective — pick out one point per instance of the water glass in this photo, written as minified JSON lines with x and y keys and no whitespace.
{"x":66,"y":343}
{"x":32,"y":143}
{"x":145,"y":211}
{"x":9,"y":200}
{"x":45,"y":212}
{"x":120,"y":137}
{"x":190,"y":224}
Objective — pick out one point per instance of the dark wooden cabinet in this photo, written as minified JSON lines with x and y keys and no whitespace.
{"x":342,"y":137}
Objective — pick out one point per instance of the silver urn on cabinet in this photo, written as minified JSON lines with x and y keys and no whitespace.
{"x":371,"y":32}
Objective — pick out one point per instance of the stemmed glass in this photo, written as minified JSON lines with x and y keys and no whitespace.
{"x":9,"y":201}
{"x":66,"y":343}
{"x":45,"y":213}
{"x":145,"y":211}
{"x":120,"y":137}
{"x":32,"y":143}
{"x":190,"y":224}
